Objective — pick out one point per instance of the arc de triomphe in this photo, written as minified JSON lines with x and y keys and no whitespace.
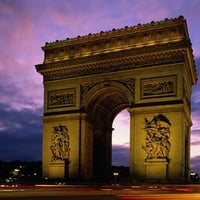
{"x":148,"y":69}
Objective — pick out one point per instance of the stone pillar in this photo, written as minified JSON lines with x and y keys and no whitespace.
{"x":109,"y":153}
{"x":57,"y":148}
{"x":137,"y":156}
{"x":86,"y":134}
{"x":158,"y":145}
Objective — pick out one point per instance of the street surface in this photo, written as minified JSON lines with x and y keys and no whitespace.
{"x":116,"y":192}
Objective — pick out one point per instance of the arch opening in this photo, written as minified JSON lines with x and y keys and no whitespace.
{"x":121,"y":139}
{"x":121,"y":144}
{"x":101,"y":110}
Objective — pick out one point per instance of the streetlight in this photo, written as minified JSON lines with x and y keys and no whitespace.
{"x":115,"y":174}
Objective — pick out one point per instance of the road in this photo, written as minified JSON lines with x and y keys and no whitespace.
{"x":55,"y":192}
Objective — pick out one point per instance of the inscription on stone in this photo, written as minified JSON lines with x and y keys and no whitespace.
{"x":158,"y":87}
{"x":61,"y":98}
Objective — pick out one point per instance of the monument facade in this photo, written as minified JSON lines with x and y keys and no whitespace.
{"x":148,"y":69}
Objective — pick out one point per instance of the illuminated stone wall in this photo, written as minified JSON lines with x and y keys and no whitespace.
{"x":160,"y":131}
{"x":148,"y":69}
{"x":49,"y":162}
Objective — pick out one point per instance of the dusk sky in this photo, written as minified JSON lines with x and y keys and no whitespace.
{"x":26,"y":25}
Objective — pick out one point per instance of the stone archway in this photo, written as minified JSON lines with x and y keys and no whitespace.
{"x":102,"y":103}
{"x":147,"y":68}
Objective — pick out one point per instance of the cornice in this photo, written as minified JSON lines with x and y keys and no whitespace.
{"x":147,"y":35}
{"x":130,"y":47}
{"x":139,"y":28}
{"x":91,"y":59}
{"x":113,"y":65}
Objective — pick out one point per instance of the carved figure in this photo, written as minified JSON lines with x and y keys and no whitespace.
{"x":166,"y":87}
{"x":60,"y":142}
{"x":157,"y":144}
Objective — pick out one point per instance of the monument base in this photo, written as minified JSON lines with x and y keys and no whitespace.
{"x":156,"y":169}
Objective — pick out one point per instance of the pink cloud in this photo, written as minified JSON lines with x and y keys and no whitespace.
{"x":195,"y":137}
{"x":196,"y":120}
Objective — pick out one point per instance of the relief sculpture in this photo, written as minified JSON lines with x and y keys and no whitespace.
{"x":61,"y":98}
{"x":157,"y":144}
{"x":158,"y":87}
{"x":166,"y":87}
{"x":60,"y":143}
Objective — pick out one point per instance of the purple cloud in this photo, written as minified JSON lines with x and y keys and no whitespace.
{"x":195,"y":164}
{"x":120,"y":155}
{"x":20,"y":134}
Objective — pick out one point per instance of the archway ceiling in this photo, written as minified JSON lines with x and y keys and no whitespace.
{"x":106,"y":105}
